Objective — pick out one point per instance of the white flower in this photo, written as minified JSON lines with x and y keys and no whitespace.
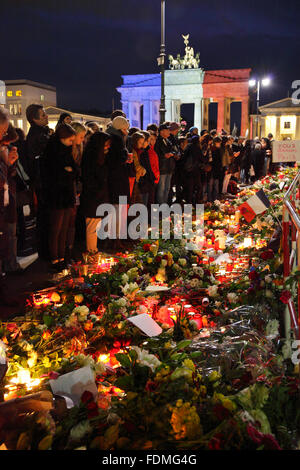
{"x":71,"y":321}
{"x":132,"y":273}
{"x":218,"y":304}
{"x":195,"y":283}
{"x":182,"y":261}
{"x":164,"y":263}
{"x":176,"y":266}
{"x":146,"y":359}
{"x":122,"y":302}
{"x":42,"y":327}
{"x":130,"y":288}
{"x":99,"y":368}
{"x":268,"y":279}
{"x":199,"y":271}
{"x":81,"y":312}
{"x":212,"y":291}
{"x":232,"y":297}
{"x":2,"y":353}
{"x":80,"y":430}
{"x":125,"y":278}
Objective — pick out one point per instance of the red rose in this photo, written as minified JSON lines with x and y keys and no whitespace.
{"x":87,"y":397}
{"x":285,"y":296}
{"x":151,"y":386}
{"x":147,"y":247}
{"x":268,"y":254}
{"x":253,"y":276}
{"x":158,"y":259}
{"x":93,"y":409}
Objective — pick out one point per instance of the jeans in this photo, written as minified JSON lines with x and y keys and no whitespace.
{"x":163,"y":188}
{"x":212,"y":189}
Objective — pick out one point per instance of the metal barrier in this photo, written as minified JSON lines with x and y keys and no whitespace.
{"x":291,"y":251}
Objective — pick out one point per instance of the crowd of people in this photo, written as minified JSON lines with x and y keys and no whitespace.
{"x":62,"y":175}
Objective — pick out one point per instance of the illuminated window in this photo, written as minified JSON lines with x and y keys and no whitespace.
{"x":11,"y":109}
{"x":42,"y":97}
{"x":19,"y":93}
{"x":9,"y":93}
{"x":20,"y":123}
{"x":287,"y":125}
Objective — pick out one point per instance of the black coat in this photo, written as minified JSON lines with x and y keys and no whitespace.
{"x":217,"y":170}
{"x":118,"y":170}
{"x":60,"y":192}
{"x":163,"y":146}
{"x":94,"y":181}
{"x":36,"y":143}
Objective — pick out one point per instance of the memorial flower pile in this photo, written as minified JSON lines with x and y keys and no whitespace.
{"x":219,"y":374}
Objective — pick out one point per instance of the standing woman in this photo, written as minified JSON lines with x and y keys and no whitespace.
{"x":137,"y":140}
{"x":94,"y":184}
{"x":119,"y":163}
{"x":61,"y":174}
{"x":77,"y":151}
{"x":64,"y":118}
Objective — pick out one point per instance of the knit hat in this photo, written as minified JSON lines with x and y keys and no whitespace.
{"x":120,"y":122}
{"x":174,"y":126}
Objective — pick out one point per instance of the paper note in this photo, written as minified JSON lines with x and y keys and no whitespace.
{"x":146,"y":324}
{"x":74,"y":384}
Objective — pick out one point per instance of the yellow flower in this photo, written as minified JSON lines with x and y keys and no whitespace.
{"x":189,"y":364}
{"x":214,"y":376}
{"x":149,"y":260}
{"x":78,"y":298}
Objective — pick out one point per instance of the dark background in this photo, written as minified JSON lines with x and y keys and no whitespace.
{"x":84,"y":46}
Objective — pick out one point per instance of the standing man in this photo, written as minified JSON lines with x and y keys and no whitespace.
{"x":36,"y":142}
{"x":163,"y":148}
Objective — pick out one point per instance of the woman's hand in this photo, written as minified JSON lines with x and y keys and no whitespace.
{"x":69,"y":169}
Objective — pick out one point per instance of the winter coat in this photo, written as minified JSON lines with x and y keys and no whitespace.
{"x":154,"y":162}
{"x":146,"y":182}
{"x":217,"y":170}
{"x":59,"y":186}
{"x":94,"y":173}
{"x":162,"y":147}
{"x":118,"y":169}
{"x":192,"y":158}
{"x":36,"y":143}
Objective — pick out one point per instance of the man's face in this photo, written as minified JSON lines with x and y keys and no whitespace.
{"x":165,"y":133}
{"x":175,"y":132}
{"x":42,"y":119}
{"x":3,"y":129}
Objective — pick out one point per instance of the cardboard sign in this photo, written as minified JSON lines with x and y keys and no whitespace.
{"x":74,"y":384}
{"x":286,"y":151}
{"x":146,"y":324}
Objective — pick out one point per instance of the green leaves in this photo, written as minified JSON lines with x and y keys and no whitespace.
{"x":124,"y":360}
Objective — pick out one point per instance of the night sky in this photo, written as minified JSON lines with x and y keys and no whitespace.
{"x":84,"y":46}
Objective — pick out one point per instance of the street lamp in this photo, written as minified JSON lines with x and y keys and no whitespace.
{"x":161,"y":63}
{"x":261,"y":82}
